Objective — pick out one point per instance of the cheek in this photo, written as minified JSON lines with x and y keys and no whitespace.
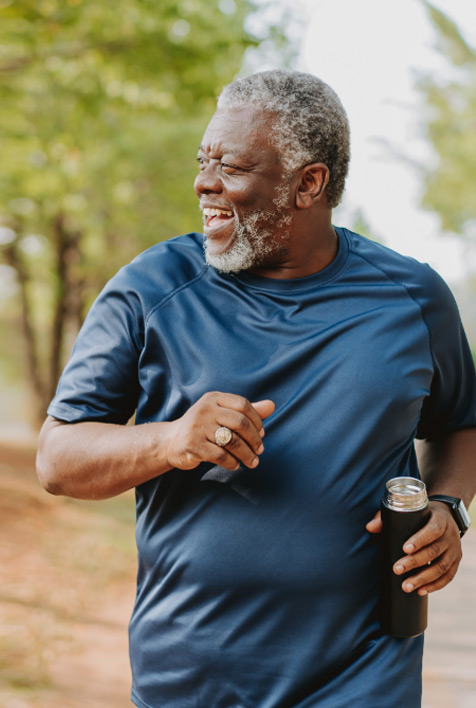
{"x":243,"y":198}
{"x":254,"y":202}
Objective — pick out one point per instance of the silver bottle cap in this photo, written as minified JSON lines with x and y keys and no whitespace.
{"x":405,"y":494}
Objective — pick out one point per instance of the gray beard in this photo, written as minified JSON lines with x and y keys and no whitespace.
{"x":253,"y":244}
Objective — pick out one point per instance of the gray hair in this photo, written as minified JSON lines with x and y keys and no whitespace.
{"x":310,"y":122}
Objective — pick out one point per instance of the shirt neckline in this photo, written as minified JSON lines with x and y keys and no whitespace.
{"x":310,"y":281}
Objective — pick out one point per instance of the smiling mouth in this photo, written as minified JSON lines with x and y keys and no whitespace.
{"x":216,"y":217}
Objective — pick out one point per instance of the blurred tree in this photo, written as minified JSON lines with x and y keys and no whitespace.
{"x":451,"y":129}
{"x":103,"y":107}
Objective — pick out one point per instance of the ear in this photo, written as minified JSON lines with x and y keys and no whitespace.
{"x":312,"y":185}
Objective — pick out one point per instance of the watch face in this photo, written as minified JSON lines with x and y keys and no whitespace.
{"x":465,"y":518}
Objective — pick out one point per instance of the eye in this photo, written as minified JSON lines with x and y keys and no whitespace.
{"x":227,"y":167}
{"x":201,"y":162}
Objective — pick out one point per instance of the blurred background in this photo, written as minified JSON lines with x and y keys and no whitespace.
{"x":102,"y":108}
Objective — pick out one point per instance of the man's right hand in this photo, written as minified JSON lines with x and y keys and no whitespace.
{"x":96,"y":460}
{"x":190,"y":439}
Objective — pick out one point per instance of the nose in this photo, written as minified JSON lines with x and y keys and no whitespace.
{"x":207,"y":181}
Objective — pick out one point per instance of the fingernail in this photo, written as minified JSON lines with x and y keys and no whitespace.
{"x":409,"y":548}
{"x":399,"y":569}
{"x":261,"y":432}
{"x":422,"y":593}
{"x":255,"y":462}
{"x":408,"y":587}
{"x":260,"y":449}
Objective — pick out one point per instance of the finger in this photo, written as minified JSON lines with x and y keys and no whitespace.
{"x":433,"y":530}
{"x":422,"y":558}
{"x":242,"y":451}
{"x":375,"y":525}
{"x":442,"y":581}
{"x":237,"y":447}
{"x":241,"y":425}
{"x":446,"y":565}
{"x":242,"y":405}
{"x":220,"y":456}
{"x":264,"y":408}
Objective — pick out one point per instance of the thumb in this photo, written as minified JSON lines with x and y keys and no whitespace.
{"x":375,"y":526}
{"x":264,"y":408}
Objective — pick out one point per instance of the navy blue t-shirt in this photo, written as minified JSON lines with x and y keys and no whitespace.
{"x":259,"y":588}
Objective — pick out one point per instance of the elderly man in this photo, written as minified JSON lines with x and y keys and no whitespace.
{"x":258,"y":582}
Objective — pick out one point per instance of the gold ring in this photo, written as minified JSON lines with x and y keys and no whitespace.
{"x":223,"y":436}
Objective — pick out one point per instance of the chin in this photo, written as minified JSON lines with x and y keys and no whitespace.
{"x":240,"y":256}
{"x":226,"y":263}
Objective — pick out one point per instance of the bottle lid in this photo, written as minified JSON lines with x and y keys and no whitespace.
{"x":405,"y":494}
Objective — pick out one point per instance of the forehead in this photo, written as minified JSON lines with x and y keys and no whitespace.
{"x":243,"y":130}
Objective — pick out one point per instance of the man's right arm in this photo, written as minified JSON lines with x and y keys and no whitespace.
{"x":95,"y":460}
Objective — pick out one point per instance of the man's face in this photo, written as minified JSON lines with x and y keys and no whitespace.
{"x":243,"y":193}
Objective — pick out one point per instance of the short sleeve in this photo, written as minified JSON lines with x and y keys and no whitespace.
{"x":100,"y":381}
{"x":451,"y":404}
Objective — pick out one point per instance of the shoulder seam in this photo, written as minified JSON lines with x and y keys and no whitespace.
{"x":402,"y":285}
{"x":169,"y":296}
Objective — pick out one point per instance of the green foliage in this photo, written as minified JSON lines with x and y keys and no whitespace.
{"x":103,"y":108}
{"x":106,"y":104}
{"x":451,"y":129}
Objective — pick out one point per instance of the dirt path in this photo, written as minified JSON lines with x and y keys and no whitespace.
{"x":67,"y":579}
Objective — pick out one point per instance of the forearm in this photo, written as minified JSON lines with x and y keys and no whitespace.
{"x":99,"y":460}
{"x":448,"y":466}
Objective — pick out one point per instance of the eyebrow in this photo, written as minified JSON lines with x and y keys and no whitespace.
{"x":246,"y":162}
{"x":236,"y":152}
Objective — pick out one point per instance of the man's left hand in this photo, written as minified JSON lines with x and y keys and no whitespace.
{"x":434,"y":551}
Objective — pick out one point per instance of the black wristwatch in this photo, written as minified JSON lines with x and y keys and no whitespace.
{"x":458,"y":509}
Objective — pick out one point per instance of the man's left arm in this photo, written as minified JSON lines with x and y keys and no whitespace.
{"x":448,"y":467}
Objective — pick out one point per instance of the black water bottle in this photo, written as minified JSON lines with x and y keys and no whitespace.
{"x":404,"y":511}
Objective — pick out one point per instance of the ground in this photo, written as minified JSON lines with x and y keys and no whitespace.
{"x":67,"y":577}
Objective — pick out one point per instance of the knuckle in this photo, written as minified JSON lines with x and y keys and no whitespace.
{"x":242,"y":402}
{"x":189,"y":458}
{"x":235,"y":443}
{"x":209,"y":397}
{"x":434,"y":551}
{"x":443,"y":566}
{"x":242,"y":421}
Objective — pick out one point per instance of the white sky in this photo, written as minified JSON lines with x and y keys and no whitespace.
{"x":369,"y":51}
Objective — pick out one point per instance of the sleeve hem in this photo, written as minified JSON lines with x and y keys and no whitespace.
{"x":70,"y":414}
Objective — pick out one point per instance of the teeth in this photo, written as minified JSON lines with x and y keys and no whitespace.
{"x":217,"y":212}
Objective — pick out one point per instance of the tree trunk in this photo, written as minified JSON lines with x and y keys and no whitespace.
{"x":60,"y":241}
{"x":35,"y":380}
{"x":67,"y":318}
{"x":69,"y":295}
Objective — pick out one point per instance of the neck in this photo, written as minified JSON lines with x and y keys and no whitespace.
{"x":313,"y":245}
